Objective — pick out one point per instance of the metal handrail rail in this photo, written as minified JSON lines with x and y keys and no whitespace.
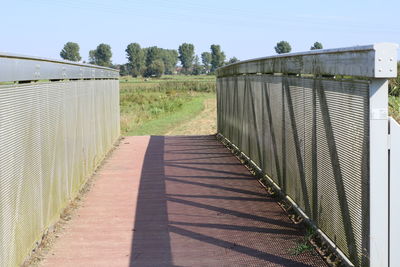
{"x":371,"y":61}
{"x":15,"y":68}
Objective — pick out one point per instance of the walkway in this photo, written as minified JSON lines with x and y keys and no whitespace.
{"x":177,"y":201}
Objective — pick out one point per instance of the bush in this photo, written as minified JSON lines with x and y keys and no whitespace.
{"x":198,"y":86}
{"x":394,"y":84}
{"x":394,"y":107}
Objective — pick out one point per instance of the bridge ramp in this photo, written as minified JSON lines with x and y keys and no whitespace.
{"x":178,"y":201}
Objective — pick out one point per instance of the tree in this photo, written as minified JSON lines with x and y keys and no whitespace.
{"x":101,"y":55}
{"x":186,"y":56}
{"x":136,"y":58}
{"x":233,"y":60}
{"x":206,"y":59}
{"x":217,"y":57}
{"x":70,"y":52}
{"x":155,"y":69}
{"x":152,"y":54}
{"x":283,"y":47}
{"x":124,"y":69}
{"x":170,"y":59}
{"x":197,"y":66}
{"x":92,"y":57}
{"x":317,"y":45}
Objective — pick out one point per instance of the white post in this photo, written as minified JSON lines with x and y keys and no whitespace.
{"x":379,"y":180}
{"x":394,"y":187}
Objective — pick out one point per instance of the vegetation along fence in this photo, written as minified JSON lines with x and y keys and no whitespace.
{"x":58,"y":120}
{"x":316,"y":124}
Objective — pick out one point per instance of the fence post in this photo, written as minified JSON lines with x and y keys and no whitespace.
{"x":394,"y":214}
{"x":379,"y":179}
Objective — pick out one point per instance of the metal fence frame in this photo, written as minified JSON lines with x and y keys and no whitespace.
{"x":40,"y":77}
{"x":375,"y":63}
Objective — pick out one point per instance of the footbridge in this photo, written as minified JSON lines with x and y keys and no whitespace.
{"x":305,"y":157}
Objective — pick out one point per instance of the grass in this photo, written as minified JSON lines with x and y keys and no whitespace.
{"x":169,"y":122}
{"x":156,"y":106}
{"x":203,"y":124}
{"x":394,"y":107}
{"x":303,"y":245}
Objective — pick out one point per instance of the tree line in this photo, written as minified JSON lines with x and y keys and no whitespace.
{"x":156,"y":61}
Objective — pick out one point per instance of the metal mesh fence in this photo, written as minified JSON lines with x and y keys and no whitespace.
{"x":52,"y":137}
{"x":310,"y":136}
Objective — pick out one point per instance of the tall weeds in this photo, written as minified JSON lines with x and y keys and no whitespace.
{"x":394,"y":95}
{"x":142,"y":101}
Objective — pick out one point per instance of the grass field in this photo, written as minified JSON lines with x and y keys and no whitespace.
{"x":177,"y":105}
{"x":158,"y":106}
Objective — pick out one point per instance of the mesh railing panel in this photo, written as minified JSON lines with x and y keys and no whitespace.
{"x":310,"y":136}
{"x":52,"y":137}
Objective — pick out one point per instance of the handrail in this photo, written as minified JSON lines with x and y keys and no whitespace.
{"x":323,"y":141}
{"x":15,"y":67}
{"x":372,"y":61}
{"x":53,"y":136}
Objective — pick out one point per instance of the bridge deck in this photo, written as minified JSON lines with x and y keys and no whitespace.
{"x":178,"y":201}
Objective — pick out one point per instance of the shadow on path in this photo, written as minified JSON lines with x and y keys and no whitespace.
{"x":198,"y":206}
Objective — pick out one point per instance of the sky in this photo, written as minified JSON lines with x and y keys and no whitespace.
{"x":244,"y":29}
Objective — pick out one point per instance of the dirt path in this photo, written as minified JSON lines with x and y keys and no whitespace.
{"x":203,"y":124}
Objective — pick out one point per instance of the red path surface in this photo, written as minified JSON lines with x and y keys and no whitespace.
{"x":177,"y":201}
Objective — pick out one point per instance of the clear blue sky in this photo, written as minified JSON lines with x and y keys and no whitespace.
{"x":245,"y":29}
